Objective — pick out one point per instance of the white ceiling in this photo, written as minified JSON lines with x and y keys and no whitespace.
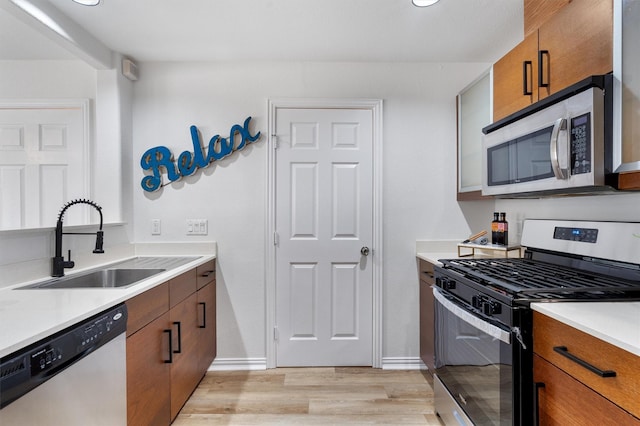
{"x":278,"y":30}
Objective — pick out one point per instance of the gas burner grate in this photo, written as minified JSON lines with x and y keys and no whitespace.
{"x":542,"y":280}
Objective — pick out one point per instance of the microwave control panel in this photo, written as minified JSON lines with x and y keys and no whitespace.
{"x":581,"y":144}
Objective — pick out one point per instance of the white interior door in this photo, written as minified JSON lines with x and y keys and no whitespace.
{"x":324,"y":218}
{"x":43,"y":164}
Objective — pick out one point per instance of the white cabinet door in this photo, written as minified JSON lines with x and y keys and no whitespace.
{"x":44,"y":163}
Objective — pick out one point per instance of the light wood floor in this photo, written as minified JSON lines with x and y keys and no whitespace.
{"x":311,"y":396}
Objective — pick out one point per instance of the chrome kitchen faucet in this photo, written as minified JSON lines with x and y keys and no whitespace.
{"x":58,"y":263}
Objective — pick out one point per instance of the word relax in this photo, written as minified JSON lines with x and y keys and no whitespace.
{"x":160,"y":157}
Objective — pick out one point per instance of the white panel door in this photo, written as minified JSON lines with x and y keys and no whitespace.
{"x":324,"y":217}
{"x":43,"y":156}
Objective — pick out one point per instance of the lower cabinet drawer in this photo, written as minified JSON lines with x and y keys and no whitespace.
{"x":585,"y":357}
{"x":563,"y":400}
{"x":426,"y":272}
{"x":206,"y":273}
{"x":146,"y":307}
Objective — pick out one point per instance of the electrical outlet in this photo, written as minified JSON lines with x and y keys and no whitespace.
{"x":197,"y":226}
{"x":155,"y":226}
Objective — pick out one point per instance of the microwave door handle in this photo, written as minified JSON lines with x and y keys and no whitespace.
{"x":559,"y":172}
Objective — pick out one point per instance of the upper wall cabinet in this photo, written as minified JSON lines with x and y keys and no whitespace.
{"x":513,"y":78}
{"x":474,"y":113}
{"x":538,"y":12}
{"x":571,"y":44}
{"x":627,"y":94}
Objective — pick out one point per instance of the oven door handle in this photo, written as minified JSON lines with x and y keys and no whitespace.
{"x":479,"y":323}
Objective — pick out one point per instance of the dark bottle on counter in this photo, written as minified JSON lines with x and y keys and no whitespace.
{"x":494,"y":229}
{"x":503,"y":230}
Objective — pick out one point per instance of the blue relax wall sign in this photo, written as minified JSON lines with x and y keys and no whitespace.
{"x":160,"y":157}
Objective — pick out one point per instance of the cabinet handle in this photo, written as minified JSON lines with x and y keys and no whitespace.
{"x":170,"y":360}
{"x":562,"y":350}
{"x":206,"y":274}
{"x":179,"y":337}
{"x":541,"y":73}
{"x":204,"y":315}
{"x":527,"y":77}
{"x":536,"y":402}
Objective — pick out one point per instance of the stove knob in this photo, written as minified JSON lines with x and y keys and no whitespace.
{"x":476,"y":301}
{"x":490,"y":308}
{"x":449,"y":284}
{"x":486,"y":308}
{"x":445,"y":283}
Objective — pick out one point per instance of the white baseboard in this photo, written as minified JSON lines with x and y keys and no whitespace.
{"x":403,"y":363}
{"x":388,"y":363}
{"x":229,"y":364}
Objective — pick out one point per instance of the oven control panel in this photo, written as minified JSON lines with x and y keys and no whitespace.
{"x":585,"y":235}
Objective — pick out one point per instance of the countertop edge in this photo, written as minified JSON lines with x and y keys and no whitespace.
{"x":591,"y":318}
{"x":102,"y":299}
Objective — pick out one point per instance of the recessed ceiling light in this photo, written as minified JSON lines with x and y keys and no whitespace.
{"x":423,"y":3}
{"x":88,"y":2}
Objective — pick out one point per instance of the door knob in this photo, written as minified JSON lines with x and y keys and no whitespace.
{"x":364,"y":251}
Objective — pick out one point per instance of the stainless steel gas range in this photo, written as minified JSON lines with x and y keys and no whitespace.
{"x":483,"y":320}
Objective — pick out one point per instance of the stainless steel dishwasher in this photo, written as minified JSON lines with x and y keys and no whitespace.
{"x":74,"y":377}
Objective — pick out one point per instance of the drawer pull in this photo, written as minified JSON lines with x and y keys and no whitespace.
{"x":179,"y":350}
{"x":541,"y":68}
{"x":562,"y":350}
{"x":527,"y":78}
{"x":170,"y":360}
{"x":536,"y":402}
{"x":207,"y":274}
{"x":204,"y":315}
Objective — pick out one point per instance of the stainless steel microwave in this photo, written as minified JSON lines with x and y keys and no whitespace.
{"x":558,"y":145}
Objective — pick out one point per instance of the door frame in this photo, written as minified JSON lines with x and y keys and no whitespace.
{"x":375,"y":106}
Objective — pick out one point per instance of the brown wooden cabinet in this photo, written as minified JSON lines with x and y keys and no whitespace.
{"x":575,"y":42}
{"x":515,"y":78}
{"x":427,"y":330}
{"x":169,"y":345}
{"x":570,"y":393}
{"x":538,"y":12}
{"x":185,"y":368}
{"x":148,"y":353}
{"x":207,"y":314}
{"x":148,"y":395}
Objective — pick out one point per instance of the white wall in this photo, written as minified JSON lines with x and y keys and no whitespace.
{"x":47,"y":79}
{"x":419,"y":174}
{"x":623,"y":207}
{"x":26,"y":254}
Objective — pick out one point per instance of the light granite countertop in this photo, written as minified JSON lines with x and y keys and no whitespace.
{"x":26,"y":316}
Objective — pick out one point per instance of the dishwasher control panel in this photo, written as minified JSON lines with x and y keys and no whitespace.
{"x":29,"y":367}
{"x":45,"y":358}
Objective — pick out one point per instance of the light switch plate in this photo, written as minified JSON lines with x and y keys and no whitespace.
{"x":155,"y":226}
{"x":197,"y":226}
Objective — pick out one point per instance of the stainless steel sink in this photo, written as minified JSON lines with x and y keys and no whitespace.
{"x":103,"y":278}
